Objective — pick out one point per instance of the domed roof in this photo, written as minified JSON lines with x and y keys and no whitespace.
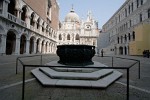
{"x":72,"y":17}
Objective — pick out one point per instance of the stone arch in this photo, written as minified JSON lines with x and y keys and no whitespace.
{"x":11,"y":7}
{"x":10,"y":42}
{"x":23,"y":40}
{"x":31,"y":49}
{"x":68,"y":37}
{"x":24,"y":13}
{"x":60,"y":37}
{"x":77,"y":37}
{"x":125,"y":50}
{"x":32,"y":21}
{"x":38,"y":23}
{"x":43,"y":46}
{"x":38,"y":45}
{"x":47,"y":30}
{"x":121,"y":50}
{"x":49,"y":47}
{"x":43,"y":28}
{"x":46,"y":47}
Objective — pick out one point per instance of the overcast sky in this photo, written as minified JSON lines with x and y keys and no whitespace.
{"x":102,"y":10}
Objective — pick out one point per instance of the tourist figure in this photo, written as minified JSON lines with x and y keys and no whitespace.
{"x":147,"y":53}
{"x":102,"y":52}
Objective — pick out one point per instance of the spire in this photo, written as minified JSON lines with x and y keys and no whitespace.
{"x":89,"y":16}
{"x":72,"y":10}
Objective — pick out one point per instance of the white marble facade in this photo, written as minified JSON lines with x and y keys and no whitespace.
{"x":23,"y":31}
{"x":76,"y":31}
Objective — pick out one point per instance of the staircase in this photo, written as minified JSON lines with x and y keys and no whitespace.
{"x":76,"y":77}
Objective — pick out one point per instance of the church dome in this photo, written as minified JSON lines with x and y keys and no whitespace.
{"x":72,"y":17}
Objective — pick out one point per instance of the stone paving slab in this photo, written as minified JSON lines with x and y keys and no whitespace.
{"x":35,"y":91}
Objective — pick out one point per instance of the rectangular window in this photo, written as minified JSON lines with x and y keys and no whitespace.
{"x":137,"y":1}
{"x":125,"y":12}
{"x":130,"y":23}
{"x":129,"y":9}
{"x":141,"y":2}
{"x":141,"y":18}
{"x":148,"y":13}
{"x":132,"y":6}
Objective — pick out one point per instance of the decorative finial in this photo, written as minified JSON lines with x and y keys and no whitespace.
{"x":72,"y":10}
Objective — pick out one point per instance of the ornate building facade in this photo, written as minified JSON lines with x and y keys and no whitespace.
{"x":129,"y":28}
{"x":28,"y":26}
{"x":76,"y":31}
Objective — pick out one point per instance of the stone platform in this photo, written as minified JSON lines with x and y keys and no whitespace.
{"x":76,"y":77}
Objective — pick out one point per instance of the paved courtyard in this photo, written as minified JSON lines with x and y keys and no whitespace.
{"x":11,"y":84}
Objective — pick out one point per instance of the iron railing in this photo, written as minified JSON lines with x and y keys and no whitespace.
{"x":18,"y":59}
{"x":125,"y":68}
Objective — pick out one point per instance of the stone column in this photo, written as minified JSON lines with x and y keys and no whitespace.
{"x":44,"y":48}
{"x":27,"y":46}
{"x":5,"y":7}
{"x":39,"y":47}
{"x":18,"y":12}
{"x":17,"y":48}
{"x":35,"y":45}
{"x":3,"y":44}
{"x":127,"y":50}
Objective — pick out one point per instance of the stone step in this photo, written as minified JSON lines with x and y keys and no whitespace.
{"x":101,"y":83}
{"x":84,"y":70}
{"x":76,"y":75}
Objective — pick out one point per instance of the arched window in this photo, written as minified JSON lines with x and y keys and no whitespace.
{"x":38,"y":23}
{"x":118,"y":40}
{"x":125,"y":37}
{"x":133,"y":34}
{"x":77,"y":37}
{"x":11,"y":7}
{"x":141,"y":17}
{"x":47,"y":28}
{"x":32,"y":19}
{"x":60,"y":37}
{"x":129,"y":36}
{"x":141,"y":2}
{"x":68,"y":37}
{"x":23,"y":14}
{"x":43,"y":27}
{"x":129,"y":9}
{"x":132,"y":7}
{"x":121,"y":50}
